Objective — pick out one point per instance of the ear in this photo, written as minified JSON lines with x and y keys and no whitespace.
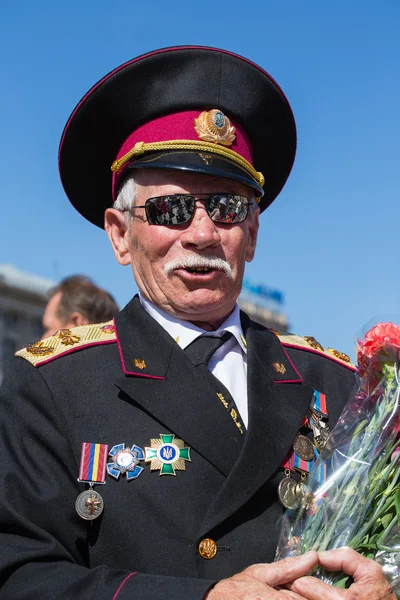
{"x":117,"y":231}
{"x":77,"y":319}
{"x":253,"y":224}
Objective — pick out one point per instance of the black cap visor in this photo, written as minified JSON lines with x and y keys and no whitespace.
{"x":196,"y":162}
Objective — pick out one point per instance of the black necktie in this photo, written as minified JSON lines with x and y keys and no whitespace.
{"x":200,"y":352}
{"x":202,"y":348}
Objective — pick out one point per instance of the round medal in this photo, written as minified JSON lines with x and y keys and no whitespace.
{"x":304,"y":447}
{"x":287,"y":493}
{"x":89,"y":505}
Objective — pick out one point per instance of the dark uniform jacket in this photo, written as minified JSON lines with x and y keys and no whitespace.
{"x":91,"y":384}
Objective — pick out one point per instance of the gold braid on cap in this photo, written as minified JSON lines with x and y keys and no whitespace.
{"x":201,"y":146}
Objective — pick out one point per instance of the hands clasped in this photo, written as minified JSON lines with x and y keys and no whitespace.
{"x":288,"y":579}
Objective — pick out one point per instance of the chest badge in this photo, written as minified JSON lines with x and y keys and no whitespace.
{"x":125,"y":461}
{"x":167,"y":454}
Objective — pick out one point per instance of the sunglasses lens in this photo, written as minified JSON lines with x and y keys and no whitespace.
{"x":169,"y":210}
{"x":227,"y":208}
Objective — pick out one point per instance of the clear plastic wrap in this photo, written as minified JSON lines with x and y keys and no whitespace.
{"x":352,"y":494}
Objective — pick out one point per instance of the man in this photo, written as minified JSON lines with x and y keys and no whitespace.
{"x":77,"y":301}
{"x":195,"y":429}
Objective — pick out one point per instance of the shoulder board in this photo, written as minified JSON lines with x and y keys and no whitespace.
{"x":310,"y":344}
{"x":66,"y":341}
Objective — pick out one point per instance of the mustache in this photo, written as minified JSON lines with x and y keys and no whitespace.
{"x":193,"y":261}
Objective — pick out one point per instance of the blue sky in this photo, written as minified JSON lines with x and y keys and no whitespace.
{"x":329,"y":242}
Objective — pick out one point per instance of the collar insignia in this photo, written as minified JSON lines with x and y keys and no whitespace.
{"x":279,"y":367}
{"x":140,"y":363}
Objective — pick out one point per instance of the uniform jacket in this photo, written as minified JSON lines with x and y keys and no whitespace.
{"x":130,"y":386}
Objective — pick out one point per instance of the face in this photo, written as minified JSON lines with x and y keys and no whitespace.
{"x":51,"y":321}
{"x":158,"y":253}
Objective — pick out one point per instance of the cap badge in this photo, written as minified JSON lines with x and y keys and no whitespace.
{"x":125,"y":460}
{"x":167,"y":454}
{"x":214,"y":126}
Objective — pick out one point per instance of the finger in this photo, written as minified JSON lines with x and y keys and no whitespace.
{"x":312,"y":588}
{"x":351,"y":563}
{"x":284,"y":570}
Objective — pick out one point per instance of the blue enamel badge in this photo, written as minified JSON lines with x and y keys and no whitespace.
{"x":125,"y":460}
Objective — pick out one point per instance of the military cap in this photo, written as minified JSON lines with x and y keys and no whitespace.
{"x":192,"y":108}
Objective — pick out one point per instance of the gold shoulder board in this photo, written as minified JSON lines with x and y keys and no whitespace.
{"x":309,"y":343}
{"x":66,"y":341}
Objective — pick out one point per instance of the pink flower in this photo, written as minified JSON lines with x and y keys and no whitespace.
{"x":381,"y":344}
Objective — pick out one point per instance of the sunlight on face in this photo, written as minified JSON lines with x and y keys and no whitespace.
{"x":193,"y":270}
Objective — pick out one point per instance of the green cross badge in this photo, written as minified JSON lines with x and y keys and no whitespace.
{"x":167,"y":454}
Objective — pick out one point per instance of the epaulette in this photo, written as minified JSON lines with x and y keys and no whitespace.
{"x":310,"y":344}
{"x":66,"y":341}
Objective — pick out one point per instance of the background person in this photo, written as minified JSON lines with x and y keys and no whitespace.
{"x":75,"y":301}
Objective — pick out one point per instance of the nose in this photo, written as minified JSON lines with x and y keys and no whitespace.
{"x":201,"y":232}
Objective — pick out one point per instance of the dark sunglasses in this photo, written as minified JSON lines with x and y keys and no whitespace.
{"x":176,"y":209}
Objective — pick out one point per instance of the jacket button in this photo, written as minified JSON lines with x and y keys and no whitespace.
{"x":207,"y":548}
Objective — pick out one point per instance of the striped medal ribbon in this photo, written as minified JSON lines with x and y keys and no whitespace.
{"x":92,"y":470}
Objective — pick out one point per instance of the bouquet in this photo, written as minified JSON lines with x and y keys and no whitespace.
{"x":352,"y":495}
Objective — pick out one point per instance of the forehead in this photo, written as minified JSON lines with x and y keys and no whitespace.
{"x":161,"y":181}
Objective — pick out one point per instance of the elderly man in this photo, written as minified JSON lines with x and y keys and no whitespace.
{"x":152,"y":457}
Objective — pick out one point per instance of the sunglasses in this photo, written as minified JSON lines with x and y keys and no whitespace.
{"x":176,"y":209}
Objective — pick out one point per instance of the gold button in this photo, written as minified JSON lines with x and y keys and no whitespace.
{"x":207,"y":548}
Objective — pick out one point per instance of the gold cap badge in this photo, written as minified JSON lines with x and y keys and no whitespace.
{"x":214,"y":126}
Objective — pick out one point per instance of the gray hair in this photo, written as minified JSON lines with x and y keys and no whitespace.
{"x":126,"y":197}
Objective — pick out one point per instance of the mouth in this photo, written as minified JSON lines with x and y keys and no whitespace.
{"x":199,"y":270}
{"x":199,"y":266}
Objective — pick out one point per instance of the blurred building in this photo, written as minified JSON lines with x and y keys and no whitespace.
{"x":264,"y":305}
{"x":23,"y":297}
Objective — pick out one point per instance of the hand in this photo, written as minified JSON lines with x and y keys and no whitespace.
{"x":369,"y":580}
{"x":258,"y":581}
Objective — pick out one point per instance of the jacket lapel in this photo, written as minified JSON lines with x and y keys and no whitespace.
{"x":278,"y":401}
{"x":162,"y":380}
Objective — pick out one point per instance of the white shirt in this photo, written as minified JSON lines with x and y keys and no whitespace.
{"x":228,"y":364}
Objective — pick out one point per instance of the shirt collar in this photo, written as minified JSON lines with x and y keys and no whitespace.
{"x":184,"y":332}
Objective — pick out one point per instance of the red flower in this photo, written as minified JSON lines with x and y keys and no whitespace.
{"x":380,"y":345}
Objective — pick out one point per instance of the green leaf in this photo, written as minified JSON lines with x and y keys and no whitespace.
{"x":397,"y":504}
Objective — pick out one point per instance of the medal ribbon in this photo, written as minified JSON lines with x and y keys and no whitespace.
{"x":93,"y":463}
{"x":319,"y":403}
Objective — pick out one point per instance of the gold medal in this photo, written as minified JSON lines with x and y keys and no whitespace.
{"x":287,"y":493}
{"x":89,"y":505}
{"x":303,"y":447}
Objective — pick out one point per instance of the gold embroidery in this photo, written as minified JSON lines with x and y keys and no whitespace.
{"x":224,"y":402}
{"x":66,"y":337}
{"x":39,"y":349}
{"x":313,"y":342}
{"x":279,"y":368}
{"x":340,"y":355}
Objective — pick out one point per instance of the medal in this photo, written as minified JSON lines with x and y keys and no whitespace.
{"x":125,"y":461}
{"x":287,"y":492}
{"x":89,"y":505}
{"x":167,"y":454}
{"x":304,"y":447}
{"x":92,"y":470}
